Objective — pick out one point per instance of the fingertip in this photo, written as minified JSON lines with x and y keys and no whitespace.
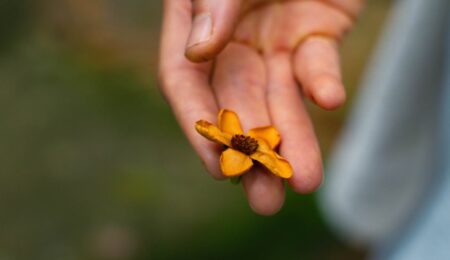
{"x":307,"y":165}
{"x":317,"y":68}
{"x":308,"y":180}
{"x":328,"y":92}
{"x":201,"y":52}
{"x":212,"y":27}
{"x":265,"y":192}
{"x":265,"y":210}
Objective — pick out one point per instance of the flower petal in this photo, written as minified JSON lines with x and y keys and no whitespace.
{"x":268,"y":134}
{"x":272,"y":161}
{"x":229,"y":122}
{"x":275,"y":164}
{"x":234,"y":163}
{"x":212,"y":133}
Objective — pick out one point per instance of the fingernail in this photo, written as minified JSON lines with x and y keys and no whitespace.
{"x":202,"y":29}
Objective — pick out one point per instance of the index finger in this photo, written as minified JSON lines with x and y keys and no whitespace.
{"x":184,"y":84}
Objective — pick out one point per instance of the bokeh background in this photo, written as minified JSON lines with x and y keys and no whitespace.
{"x":93,"y":165}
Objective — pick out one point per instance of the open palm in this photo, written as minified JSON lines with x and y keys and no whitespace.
{"x":280,"y":51}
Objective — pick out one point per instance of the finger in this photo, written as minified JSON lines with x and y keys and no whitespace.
{"x":185,"y":85}
{"x":350,"y":7}
{"x":317,"y":68}
{"x":265,"y":191}
{"x":299,"y":143}
{"x":239,"y":84}
{"x":213,"y":26}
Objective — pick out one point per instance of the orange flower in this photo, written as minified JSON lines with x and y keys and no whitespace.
{"x":258,"y":145}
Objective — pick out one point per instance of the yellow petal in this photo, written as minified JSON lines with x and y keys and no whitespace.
{"x":229,"y":122}
{"x":272,"y":161}
{"x":268,"y":133}
{"x":234,"y":163}
{"x":212,"y":133}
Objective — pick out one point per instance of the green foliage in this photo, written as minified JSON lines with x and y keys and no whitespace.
{"x":86,"y":150}
{"x":93,"y":165}
{"x":14,"y":16}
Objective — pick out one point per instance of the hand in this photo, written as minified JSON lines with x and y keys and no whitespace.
{"x":279,"y":52}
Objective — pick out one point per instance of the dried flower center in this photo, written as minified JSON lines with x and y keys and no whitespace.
{"x":245,"y":144}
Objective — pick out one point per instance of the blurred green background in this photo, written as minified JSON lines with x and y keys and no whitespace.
{"x":93,"y":165}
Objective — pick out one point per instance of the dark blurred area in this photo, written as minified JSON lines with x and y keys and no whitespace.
{"x":93,"y":165}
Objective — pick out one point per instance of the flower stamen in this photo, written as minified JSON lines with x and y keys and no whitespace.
{"x":245,"y":144}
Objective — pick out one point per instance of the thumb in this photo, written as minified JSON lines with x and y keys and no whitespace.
{"x":212,"y":27}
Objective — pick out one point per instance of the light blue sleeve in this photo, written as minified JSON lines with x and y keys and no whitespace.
{"x":428,"y":235}
{"x":384,"y":164}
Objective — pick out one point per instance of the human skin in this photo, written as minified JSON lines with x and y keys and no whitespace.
{"x":261,"y":59}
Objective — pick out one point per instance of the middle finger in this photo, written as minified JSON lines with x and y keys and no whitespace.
{"x":239,"y":83}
